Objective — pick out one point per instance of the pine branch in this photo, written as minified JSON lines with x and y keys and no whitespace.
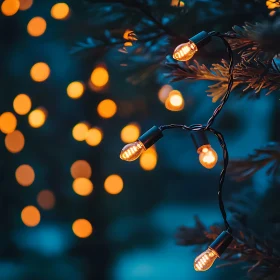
{"x":255,"y":76}
{"x":245,"y":248}
{"x":243,"y":169}
{"x":258,"y":41}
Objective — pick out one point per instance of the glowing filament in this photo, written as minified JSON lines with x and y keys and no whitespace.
{"x":185,"y":51}
{"x":132,"y":151}
{"x":207,"y":156}
{"x":205,"y":260}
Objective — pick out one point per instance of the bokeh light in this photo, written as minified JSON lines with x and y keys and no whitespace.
{"x":37,"y":118}
{"x":75,"y":90}
{"x":148,"y":160}
{"x":94,"y":136}
{"x":80,"y":168}
{"x":25,"y":175}
{"x":164,"y":93}
{"x":14,"y":141}
{"x":175,"y":101}
{"x":130,"y":133}
{"x":175,"y":3}
{"x":30,"y":216}
{"x":99,"y":76}
{"x":22,"y":104}
{"x":25,"y":4}
{"x":113,"y":184}
{"x":82,"y":186}
{"x":8,"y":122}
{"x":10,"y":7}
{"x":46,"y":199}
{"x":80,"y":131}
{"x":60,"y":11}
{"x":107,"y":108}
{"x":82,"y":228}
{"x":36,"y":26}
{"x":40,"y":72}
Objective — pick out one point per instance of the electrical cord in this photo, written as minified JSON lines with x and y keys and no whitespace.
{"x":208,"y":127}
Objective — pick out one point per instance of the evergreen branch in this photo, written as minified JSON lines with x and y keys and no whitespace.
{"x":245,"y":248}
{"x":258,"y":41}
{"x":255,"y":76}
{"x":243,"y":169}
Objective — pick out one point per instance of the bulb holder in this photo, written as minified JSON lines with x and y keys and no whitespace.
{"x":150,"y":137}
{"x":221,"y":243}
{"x":199,"y":139}
{"x":201,"y":39}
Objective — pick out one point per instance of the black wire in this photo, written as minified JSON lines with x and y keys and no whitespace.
{"x":197,"y":127}
{"x":208,"y":127}
{"x":230,"y":80}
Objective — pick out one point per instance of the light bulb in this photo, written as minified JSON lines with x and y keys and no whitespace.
{"x":207,"y":156}
{"x":132,"y":151}
{"x":185,"y":51}
{"x":205,"y":260}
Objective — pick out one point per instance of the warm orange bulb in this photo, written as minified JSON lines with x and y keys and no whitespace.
{"x":205,"y":260}
{"x":185,"y":51}
{"x":132,"y":151}
{"x":207,"y":156}
{"x":60,"y":11}
{"x":36,"y":26}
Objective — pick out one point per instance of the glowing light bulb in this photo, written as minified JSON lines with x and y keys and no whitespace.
{"x":185,"y":51}
{"x":207,"y":156}
{"x":132,"y":151}
{"x":205,"y":260}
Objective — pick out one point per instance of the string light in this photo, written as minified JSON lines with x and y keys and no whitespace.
{"x":80,"y":168}
{"x":80,"y":131}
{"x":60,"y":11}
{"x":8,"y":122}
{"x":10,"y":7}
{"x":36,"y":26}
{"x":37,"y":118}
{"x":40,"y":72}
{"x":107,"y":108}
{"x":175,"y":101}
{"x":113,"y":184}
{"x":25,"y":4}
{"x":82,"y":228}
{"x":14,"y":141}
{"x":82,"y":186}
{"x":30,"y":216}
{"x":132,"y":151}
{"x":94,"y":136}
{"x":206,"y":259}
{"x":99,"y":77}
{"x":207,"y":155}
{"x":75,"y":90}
{"x":22,"y":104}
{"x":25,"y":175}
{"x":46,"y":199}
{"x":187,"y":50}
{"x":130,"y":133}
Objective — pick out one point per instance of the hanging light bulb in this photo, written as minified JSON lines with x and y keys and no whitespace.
{"x":186,"y":51}
{"x":205,"y":260}
{"x":207,"y":155}
{"x":132,"y":151}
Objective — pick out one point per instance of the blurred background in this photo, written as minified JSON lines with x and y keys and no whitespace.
{"x":70,"y":208}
